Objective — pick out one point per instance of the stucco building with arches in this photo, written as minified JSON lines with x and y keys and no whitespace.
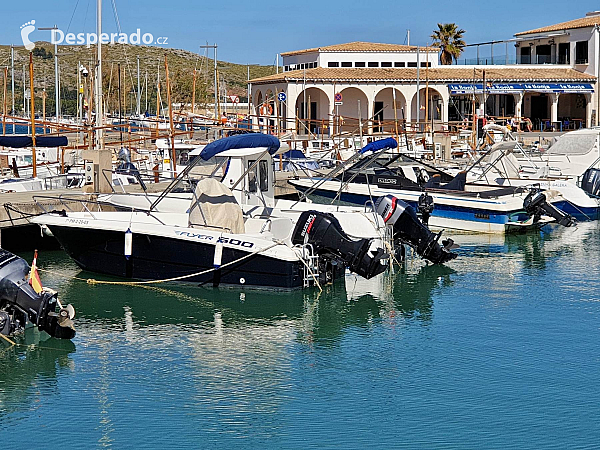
{"x":378,"y":86}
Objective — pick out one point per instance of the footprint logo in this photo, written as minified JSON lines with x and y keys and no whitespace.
{"x":26,"y":30}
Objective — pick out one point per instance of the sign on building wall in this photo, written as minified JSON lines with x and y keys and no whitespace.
{"x":515,"y":88}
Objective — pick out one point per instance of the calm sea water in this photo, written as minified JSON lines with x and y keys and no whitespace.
{"x":498,"y":349}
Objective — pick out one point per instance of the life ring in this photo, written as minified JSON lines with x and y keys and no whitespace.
{"x":266,"y":109}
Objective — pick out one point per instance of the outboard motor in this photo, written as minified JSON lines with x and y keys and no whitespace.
{"x":425,"y":206}
{"x":20,"y":303}
{"x":535,"y":205}
{"x":324,"y":232}
{"x":590,"y":182}
{"x":125,"y":165}
{"x":408,"y":229}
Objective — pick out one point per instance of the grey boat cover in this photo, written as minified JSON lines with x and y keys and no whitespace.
{"x":214,"y":207}
{"x":577,"y":142}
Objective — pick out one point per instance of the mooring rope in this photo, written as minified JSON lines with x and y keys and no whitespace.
{"x":165,"y":280}
{"x":93,"y":281}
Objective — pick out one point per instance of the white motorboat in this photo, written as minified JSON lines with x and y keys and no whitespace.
{"x":218,"y":241}
{"x":458,"y":205}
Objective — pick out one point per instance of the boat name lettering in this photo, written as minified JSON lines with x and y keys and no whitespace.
{"x":78,"y":221}
{"x":194,"y":235}
{"x":386,"y":180}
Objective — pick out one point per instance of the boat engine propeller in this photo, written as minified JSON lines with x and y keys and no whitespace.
{"x":324,"y":232}
{"x":408,"y":229}
{"x":20,"y":303}
{"x":536,"y":204}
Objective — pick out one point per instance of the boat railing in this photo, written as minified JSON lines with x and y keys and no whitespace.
{"x":68,"y":200}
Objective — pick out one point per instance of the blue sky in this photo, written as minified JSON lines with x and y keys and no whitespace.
{"x":255,"y":31}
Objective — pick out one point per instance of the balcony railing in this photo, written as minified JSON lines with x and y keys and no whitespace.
{"x":487,"y":61}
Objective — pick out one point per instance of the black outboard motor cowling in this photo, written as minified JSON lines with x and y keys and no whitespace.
{"x":425,"y":206}
{"x":20,"y":303}
{"x":536,"y":205}
{"x":324,"y":232}
{"x":590,"y":182}
{"x":408,"y":229}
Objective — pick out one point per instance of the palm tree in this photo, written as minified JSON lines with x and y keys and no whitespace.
{"x":449,"y":39}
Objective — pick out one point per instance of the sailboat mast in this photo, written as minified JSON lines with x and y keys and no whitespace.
{"x":99,"y":112}
{"x":173,"y":157}
{"x":32,"y":100}
{"x":139,"y":93}
{"x":120,"y":104}
{"x":12,"y":86}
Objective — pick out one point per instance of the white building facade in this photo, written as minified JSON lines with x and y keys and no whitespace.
{"x":375,"y":85}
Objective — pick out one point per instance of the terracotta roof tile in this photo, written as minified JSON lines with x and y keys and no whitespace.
{"x":454,"y":73}
{"x":588,"y":21}
{"x":360,"y":47}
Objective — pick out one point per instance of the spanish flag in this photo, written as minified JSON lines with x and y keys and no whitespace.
{"x":34,"y":277}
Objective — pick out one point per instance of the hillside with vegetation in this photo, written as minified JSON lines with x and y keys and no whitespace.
{"x":232,"y":77}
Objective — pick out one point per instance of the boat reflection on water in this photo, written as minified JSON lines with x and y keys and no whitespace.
{"x":224,"y":346}
{"x":36,"y":356}
{"x":406,"y":292}
{"x":529,"y":250}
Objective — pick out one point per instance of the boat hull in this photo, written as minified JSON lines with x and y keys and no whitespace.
{"x":467,"y":214}
{"x":159,"y":258}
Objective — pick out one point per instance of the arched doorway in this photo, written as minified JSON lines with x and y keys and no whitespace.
{"x":386,"y":113}
{"x":312,"y":111}
{"x":430,"y":109}
{"x":355,"y":106}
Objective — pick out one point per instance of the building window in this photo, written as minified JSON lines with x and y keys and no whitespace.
{"x":386,"y":64}
{"x":359,"y":64}
{"x":412,"y":64}
{"x":399,"y":64}
{"x":346,"y":64}
{"x":333,"y":64}
{"x":581,"y":52}
{"x":373,"y":64}
{"x":286,"y":69}
{"x":564,"y":53}
{"x":425,"y":64}
{"x":543,"y":53}
{"x":525,"y":55}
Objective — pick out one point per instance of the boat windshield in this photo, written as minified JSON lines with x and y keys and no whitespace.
{"x":381,"y":160}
